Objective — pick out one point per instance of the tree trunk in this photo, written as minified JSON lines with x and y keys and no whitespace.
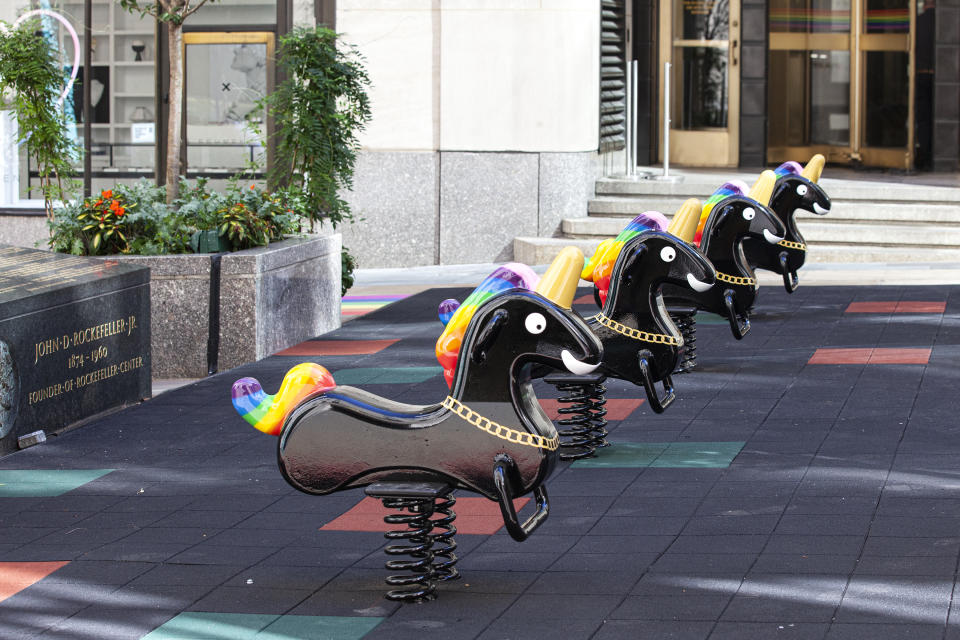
{"x":175,"y":113}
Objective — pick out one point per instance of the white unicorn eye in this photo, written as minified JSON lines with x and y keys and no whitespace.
{"x":801,"y":189}
{"x":536,"y":323}
{"x":748,"y":213}
{"x":667,"y":254}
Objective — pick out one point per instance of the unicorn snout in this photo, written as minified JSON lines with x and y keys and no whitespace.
{"x":817,"y":209}
{"x":575,"y":366}
{"x":770,"y":237}
{"x":697,"y":285}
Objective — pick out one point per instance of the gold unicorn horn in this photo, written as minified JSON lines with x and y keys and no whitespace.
{"x":559,"y":283}
{"x":814,"y":168}
{"x":762,"y":189}
{"x":685,"y":220}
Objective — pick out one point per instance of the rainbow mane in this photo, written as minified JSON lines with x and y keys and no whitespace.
{"x":788,"y":168}
{"x":512,"y":275}
{"x":267,"y":413}
{"x":599,"y":267}
{"x":732,"y":188}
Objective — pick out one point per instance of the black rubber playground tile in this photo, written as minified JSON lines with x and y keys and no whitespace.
{"x":790,"y":499}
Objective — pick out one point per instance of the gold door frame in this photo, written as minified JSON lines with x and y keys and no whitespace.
{"x":708,"y":147}
{"x":858,"y":43}
{"x":267,"y":38}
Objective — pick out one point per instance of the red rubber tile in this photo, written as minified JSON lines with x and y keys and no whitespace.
{"x":17,"y":576}
{"x":900,"y":356}
{"x":336,"y":348}
{"x":585,"y":299}
{"x":474,"y":515}
{"x":897,"y":307}
{"x":921,"y":307}
{"x":617,"y":409}
{"x":870,"y":356}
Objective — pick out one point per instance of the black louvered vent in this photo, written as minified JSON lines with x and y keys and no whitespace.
{"x":612,"y":75}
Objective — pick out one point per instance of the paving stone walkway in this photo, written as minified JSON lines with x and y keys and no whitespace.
{"x":805,"y":484}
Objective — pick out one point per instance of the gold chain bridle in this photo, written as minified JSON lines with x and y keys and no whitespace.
{"x":793,"y":245}
{"x":723,"y":277}
{"x":636,"y":334}
{"x":498,"y":430}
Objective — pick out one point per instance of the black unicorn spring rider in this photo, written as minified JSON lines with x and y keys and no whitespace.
{"x":489,"y":435}
{"x":796,"y":188}
{"x":726,"y":220}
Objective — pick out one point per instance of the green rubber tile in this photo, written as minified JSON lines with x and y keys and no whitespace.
{"x":197,"y":625}
{"x":42,"y":483}
{"x":385,"y":375}
{"x":664,"y":455}
{"x":319,"y":628}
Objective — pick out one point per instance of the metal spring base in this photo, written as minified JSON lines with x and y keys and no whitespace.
{"x":582,"y":425}
{"x":687,"y":324}
{"x":432,"y":556}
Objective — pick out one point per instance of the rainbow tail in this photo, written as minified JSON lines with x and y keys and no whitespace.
{"x":266,"y":412}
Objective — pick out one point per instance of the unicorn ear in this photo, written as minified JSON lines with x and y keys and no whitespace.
{"x":814,"y":168}
{"x":685,"y":220}
{"x":559,"y":283}
{"x":763,"y":188}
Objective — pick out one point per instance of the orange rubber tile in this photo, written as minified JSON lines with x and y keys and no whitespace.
{"x":617,"y":409}
{"x":17,"y":576}
{"x":474,"y":515}
{"x":870,"y":356}
{"x":897,"y":307}
{"x":337,"y":348}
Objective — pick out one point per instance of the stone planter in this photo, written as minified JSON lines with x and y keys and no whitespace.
{"x":264,"y":300}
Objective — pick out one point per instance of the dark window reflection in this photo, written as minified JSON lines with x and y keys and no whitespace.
{"x":887,"y":93}
{"x":809,"y":98}
{"x":700,"y":88}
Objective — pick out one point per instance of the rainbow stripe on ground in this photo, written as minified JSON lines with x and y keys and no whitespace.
{"x":358,"y":305}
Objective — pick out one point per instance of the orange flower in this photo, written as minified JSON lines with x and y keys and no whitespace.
{"x":114,"y":206}
{"x":107,"y":194}
{"x":253,"y":186}
{"x":98,"y":202}
{"x":120,"y":212}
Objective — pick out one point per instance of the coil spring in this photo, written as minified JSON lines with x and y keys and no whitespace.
{"x":583,"y":430}
{"x":444,"y":557}
{"x":421,"y":584}
{"x":687,"y":324}
{"x":432,"y":554}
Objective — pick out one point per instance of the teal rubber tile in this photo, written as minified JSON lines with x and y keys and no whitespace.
{"x":42,"y":483}
{"x":700,"y":455}
{"x":664,"y":455}
{"x":625,"y":455}
{"x":197,"y":625}
{"x":319,"y":628}
{"x":385,"y":375}
{"x":710,"y":318}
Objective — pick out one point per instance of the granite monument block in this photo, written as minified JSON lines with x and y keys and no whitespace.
{"x":74,"y":339}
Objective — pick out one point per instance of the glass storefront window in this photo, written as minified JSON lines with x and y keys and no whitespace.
{"x":700,"y":88}
{"x":809,"y":98}
{"x":262,"y":13}
{"x":887,"y":99}
{"x":810,"y":16}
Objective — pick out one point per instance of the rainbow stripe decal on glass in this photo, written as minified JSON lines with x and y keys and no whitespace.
{"x":267,"y":413}
{"x":512,"y":275}
{"x":798,"y":20}
{"x":732,"y":188}
{"x":599,"y":267}
{"x":888,"y":20}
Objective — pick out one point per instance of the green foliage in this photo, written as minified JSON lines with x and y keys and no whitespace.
{"x":31,"y":79}
{"x":347,"y":265}
{"x":134,"y":219}
{"x":172,"y":11}
{"x":318,"y":111}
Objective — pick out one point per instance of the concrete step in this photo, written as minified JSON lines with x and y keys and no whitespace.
{"x":901,"y":213}
{"x":537,"y":251}
{"x":703,"y":186}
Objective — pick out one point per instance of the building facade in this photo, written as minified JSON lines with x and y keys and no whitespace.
{"x":492,"y":119}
